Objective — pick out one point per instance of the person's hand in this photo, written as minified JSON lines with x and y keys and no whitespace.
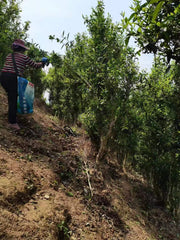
{"x":45,"y":61}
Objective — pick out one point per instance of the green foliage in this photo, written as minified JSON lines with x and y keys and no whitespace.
{"x":63,"y":231}
{"x":11,"y":26}
{"x":157,"y":155}
{"x":155,"y":27}
{"x":93,"y":78}
{"x":133,"y":116}
{"x":56,"y":60}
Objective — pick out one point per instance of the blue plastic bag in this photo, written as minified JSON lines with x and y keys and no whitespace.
{"x":25,"y":99}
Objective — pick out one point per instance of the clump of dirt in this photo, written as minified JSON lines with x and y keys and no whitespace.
{"x":51,"y":188}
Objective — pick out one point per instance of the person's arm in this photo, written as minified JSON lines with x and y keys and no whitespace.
{"x":33,"y":64}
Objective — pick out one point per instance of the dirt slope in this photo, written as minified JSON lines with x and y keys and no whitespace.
{"x":51,"y":189}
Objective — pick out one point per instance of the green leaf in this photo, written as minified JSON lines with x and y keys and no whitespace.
{"x":157,"y":10}
{"x":144,"y":5}
{"x":136,"y":13}
{"x":127,"y":40}
{"x":139,"y":30}
{"x":70,"y":194}
{"x":177,"y":10}
{"x":153,"y":1}
{"x":132,"y":16}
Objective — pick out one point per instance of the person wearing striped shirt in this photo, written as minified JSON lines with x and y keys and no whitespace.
{"x":9,"y":74}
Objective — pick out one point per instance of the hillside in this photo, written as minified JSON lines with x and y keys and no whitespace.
{"x":50,"y":187}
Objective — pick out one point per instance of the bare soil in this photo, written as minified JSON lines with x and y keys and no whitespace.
{"x":51,"y":188}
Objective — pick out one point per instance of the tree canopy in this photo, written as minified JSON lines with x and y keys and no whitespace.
{"x":155,"y":26}
{"x":11,"y":26}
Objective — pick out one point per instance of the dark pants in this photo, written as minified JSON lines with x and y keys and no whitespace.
{"x":9,"y":83}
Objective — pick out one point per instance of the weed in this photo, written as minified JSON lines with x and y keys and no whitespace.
{"x":29,"y":157}
{"x":63,"y":231}
{"x":70,"y":194}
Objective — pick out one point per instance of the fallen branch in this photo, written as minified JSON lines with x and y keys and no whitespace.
{"x":88,"y":177}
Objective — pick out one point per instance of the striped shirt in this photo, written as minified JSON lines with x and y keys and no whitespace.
{"x":21,"y":62}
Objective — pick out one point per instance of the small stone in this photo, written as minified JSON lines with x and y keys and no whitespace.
{"x":47,"y":197}
{"x":87,"y":224}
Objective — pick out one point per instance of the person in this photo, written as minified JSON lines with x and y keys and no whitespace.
{"x":9,"y":75}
